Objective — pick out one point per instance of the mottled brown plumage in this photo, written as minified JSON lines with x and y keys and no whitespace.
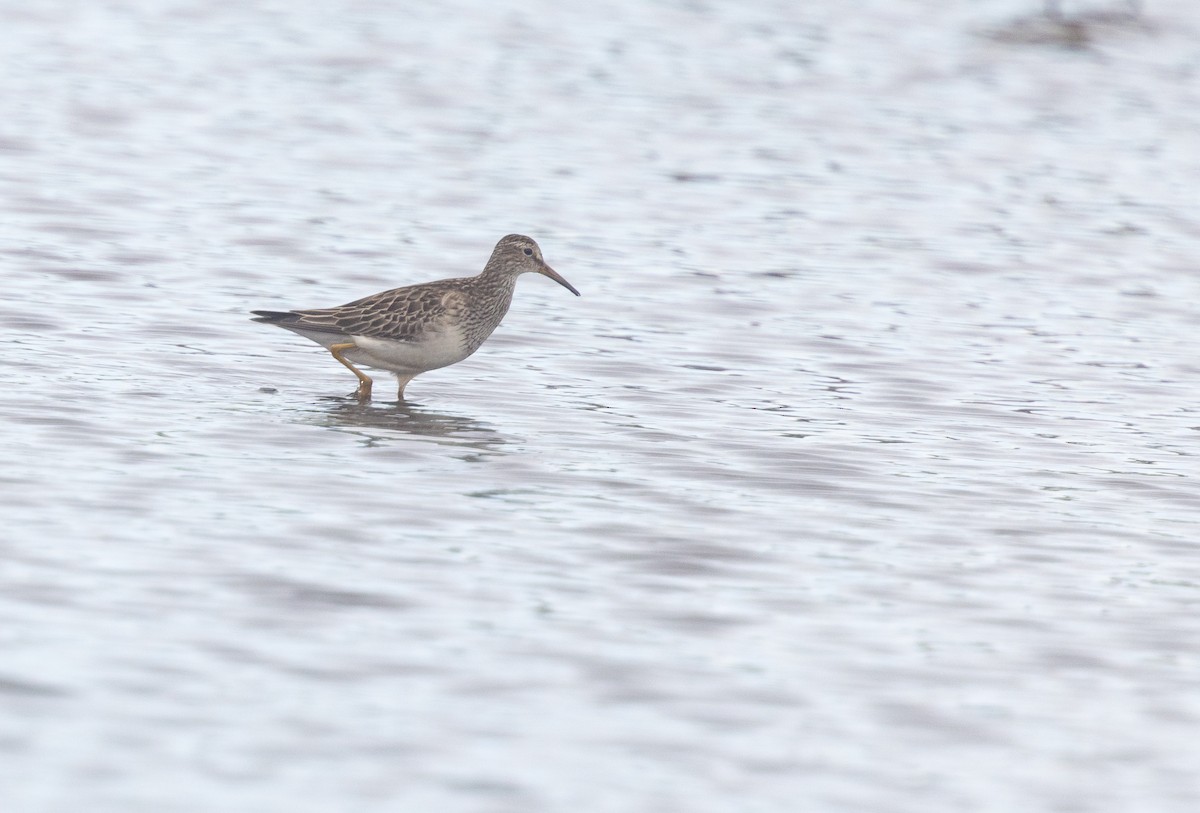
{"x":418,"y":328}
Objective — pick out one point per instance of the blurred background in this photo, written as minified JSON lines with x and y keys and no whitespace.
{"x":862,"y":477}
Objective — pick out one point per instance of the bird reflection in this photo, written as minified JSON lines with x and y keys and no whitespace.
{"x":378,"y":424}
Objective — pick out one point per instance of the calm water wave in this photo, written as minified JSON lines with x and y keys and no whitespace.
{"x":862,"y":477}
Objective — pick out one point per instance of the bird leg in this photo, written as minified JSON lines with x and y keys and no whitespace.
{"x":363,"y":392}
{"x":403,"y":379}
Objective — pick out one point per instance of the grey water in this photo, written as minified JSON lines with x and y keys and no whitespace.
{"x":862,"y":477}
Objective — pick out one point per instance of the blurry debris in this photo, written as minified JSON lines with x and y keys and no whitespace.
{"x":695,"y":177}
{"x":1076,"y":30}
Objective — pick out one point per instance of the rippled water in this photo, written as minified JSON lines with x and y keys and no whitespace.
{"x":862,"y":477}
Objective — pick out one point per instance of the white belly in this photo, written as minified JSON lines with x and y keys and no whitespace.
{"x":434,"y":350}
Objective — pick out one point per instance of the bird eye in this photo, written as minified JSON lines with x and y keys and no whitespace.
{"x":528,"y":252}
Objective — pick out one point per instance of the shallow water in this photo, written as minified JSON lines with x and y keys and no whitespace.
{"x":861,"y":477}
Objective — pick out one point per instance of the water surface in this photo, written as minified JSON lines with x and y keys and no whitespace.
{"x":861,"y":477}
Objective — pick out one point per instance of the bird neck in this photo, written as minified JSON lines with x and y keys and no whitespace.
{"x":495,"y":281}
{"x":491,"y":293}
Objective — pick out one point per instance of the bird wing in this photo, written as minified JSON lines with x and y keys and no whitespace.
{"x":402,"y":314}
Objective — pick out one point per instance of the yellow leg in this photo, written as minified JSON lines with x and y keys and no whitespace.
{"x":364,"y":382}
{"x":403,"y":379}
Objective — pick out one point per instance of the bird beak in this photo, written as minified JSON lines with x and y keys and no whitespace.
{"x":554,"y":275}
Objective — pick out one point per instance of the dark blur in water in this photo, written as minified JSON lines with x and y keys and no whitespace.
{"x":862,"y":477}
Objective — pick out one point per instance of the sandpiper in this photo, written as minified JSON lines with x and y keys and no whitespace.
{"x":419,"y":328}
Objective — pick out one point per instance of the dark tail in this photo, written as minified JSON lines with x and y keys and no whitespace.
{"x":275,"y":317}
